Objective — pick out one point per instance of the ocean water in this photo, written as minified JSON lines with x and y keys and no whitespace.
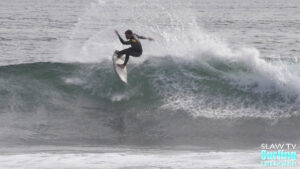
{"x":220,"y":79}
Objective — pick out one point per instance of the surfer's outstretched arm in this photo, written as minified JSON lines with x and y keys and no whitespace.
{"x":121,"y":40}
{"x":124,"y":42}
{"x":143,"y":37}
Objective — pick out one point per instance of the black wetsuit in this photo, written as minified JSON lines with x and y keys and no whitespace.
{"x":135,"y":50}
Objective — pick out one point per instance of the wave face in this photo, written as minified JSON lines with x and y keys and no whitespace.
{"x":166,"y":101}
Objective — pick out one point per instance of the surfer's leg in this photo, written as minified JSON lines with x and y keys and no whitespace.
{"x":135,"y":54}
{"x":131,"y":52}
{"x":122,"y":52}
{"x":126,"y":59}
{"x":128,"y":52}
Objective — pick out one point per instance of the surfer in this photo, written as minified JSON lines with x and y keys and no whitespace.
{"x":135,"y":50}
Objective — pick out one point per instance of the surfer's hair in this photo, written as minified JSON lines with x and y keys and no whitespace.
{"x":129,"y":32}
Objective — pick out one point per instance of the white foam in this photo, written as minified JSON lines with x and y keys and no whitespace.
{"x":74,"y":81}
{"x":131,"y":158}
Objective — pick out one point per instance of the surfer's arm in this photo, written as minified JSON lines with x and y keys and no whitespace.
{"x":143,"y":37}
{"x":124,"y":42}
{"x":121,"y":40}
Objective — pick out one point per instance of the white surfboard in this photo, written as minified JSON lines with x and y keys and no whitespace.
{"x":121,"y":72}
